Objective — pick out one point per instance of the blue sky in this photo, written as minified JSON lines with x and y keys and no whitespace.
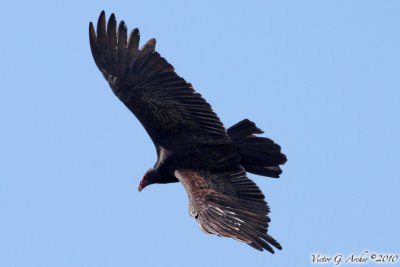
{"x":321,"y":78}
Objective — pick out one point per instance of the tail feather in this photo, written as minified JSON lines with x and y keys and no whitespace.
{"x":242,"y":129}
{"x":260,"y":155}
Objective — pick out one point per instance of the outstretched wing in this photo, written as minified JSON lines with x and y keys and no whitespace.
{"x":167,"y":106}
{"x":228,"y":204}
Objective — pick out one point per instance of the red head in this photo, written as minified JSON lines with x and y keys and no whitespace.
{"x":149,"y":177}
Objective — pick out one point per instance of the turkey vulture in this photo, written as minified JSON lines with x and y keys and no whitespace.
{"x":192,"y":145}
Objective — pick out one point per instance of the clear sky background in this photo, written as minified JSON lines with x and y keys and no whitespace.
{"x":320,"y":77}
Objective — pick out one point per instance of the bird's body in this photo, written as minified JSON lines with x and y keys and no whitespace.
{"x":193,"y":146}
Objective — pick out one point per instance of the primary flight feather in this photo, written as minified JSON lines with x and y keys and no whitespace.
{"x":192,"y":144}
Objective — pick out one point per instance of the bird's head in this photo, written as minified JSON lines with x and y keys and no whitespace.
{"x":150,"y":177}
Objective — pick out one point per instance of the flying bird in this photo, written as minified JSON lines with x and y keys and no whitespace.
{"x":193,"y":146}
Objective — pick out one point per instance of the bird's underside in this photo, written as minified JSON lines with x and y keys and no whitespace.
{"x":192,"y":144}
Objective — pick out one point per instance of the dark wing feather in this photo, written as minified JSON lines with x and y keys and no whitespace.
{"x":229,"y":204}
{"x":167,"y":106}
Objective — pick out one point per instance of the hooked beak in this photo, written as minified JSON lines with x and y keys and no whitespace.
{"x":142,"y":185}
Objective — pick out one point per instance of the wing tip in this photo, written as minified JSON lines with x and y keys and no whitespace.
{"x":122,"y":26}
{"x":102,"y":17}
{"x":92,"y":32}
{"x":270,"y":240}
{"x":151,"y":43}
{"x":102,"y":14}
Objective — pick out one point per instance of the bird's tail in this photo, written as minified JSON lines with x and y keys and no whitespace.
{"x":260,"y":155}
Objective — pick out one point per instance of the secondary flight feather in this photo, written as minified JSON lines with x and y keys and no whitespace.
{"x":192,"y":144}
